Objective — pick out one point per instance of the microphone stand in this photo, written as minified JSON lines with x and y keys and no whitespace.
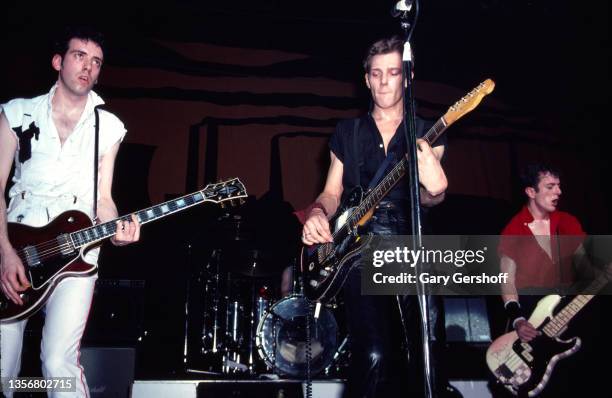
{"x":415,"y":199}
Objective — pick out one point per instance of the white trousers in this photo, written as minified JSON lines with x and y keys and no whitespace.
{"x":66,"y":311}
{"x":66,"y":314}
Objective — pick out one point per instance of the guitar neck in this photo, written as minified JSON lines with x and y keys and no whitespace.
{"x":466,"y":104}
{"x":103,"y":231}
{"x":436,"y":131}
{"x":562,"y":319}
{"x":398,"y":171}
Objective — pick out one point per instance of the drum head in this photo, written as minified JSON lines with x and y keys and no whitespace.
{"x":281,"y":337}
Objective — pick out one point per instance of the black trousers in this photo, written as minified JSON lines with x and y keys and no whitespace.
{"x":380,"y":363}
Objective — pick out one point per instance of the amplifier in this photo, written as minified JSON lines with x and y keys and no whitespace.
{"x":109,"y":370}
{"x":117,"y":313}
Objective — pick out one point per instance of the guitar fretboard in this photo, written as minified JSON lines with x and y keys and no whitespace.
{"x":398,"y":171}
{"x":379,"y":192}
{"x":108,"y":229}
{"x":560,"y":321}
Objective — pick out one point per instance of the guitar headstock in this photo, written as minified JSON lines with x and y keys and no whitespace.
{"x":231,"y":191}
{"x":468,"y":102}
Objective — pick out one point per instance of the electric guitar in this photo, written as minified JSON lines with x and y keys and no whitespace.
{"x":56,"y":251}
{"x":527,"y":367}
{"x":326,"y":266}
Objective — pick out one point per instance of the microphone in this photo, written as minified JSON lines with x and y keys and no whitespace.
{"x":402,"y":7}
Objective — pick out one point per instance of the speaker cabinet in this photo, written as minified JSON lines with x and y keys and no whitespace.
{"x":117,"y":313}
{"x":109,"y":370}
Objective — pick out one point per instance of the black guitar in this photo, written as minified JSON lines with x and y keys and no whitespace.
{"x":55,"y":251}
{"x":325,"y":267}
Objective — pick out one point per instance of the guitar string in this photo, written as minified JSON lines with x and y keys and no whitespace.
{"x":47,"y":247}
{"x":557,"y":322}
{"x":435,"y":130}
{"x":52,"y":245}
{"x":50,"y":248}
{"x":46,"y":254}
{"x":431,"y":136}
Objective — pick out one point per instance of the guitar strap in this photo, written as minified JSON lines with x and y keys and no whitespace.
{"x":357,"y":154}
{"x":95,"y":161}
{"x":359,"y":158}
{"x":381,"y":169}
{"x":389,"y":159}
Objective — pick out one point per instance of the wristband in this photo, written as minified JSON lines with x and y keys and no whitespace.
{"x":513,"y":311}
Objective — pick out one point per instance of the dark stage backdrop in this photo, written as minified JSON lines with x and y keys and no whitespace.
{"x":254,"y":89}
{"x":210,"y":88}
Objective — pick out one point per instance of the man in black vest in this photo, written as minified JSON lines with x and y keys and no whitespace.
{"x":358,"y":149}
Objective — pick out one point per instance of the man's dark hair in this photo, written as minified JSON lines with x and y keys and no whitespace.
{"x":383,"y":46}
{"x":87,"y":33}
{"x":531,"y":174}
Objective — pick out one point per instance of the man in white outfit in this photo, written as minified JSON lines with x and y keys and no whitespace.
{"x":51,"y":141}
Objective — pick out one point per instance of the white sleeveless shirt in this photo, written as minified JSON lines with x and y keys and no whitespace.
{"x":55,"y":178}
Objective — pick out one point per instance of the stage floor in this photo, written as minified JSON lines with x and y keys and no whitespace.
{"x":266,"y":388}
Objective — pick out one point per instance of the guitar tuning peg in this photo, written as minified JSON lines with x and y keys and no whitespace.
{"x":241,"y":201}
{"x":222,"y":204}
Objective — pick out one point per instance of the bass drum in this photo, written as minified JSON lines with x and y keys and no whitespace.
{"x":281,"y":337}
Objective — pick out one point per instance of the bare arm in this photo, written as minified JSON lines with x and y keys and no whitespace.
{"x":127,"y":232}
{"x":429,"y":200}
{"x":8,"y":147}
{"x":431,"y":174}
{"x":12,"y":273}
{"x":509,"y":292}
{"x":316,"y":228}
{"x":524,"y":329}
{"x":438,"y":151}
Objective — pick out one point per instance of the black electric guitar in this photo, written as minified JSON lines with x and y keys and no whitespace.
{"x":527,"y":367}
{"x":55,"y":251}
{"x":325,"y":267}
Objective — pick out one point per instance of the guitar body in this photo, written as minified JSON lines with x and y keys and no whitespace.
{"x":45,"y":268}
{"x":325,"y":267}
{"x":56,"y":251}
{"x":527,"y":367}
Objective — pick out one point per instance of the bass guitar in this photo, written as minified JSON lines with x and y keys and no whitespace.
{"x":56,"y":251}
{"x":527,"y":367}
{"x":325,"y":267}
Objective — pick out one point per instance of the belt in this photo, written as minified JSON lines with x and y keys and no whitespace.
{"x":401,"y":204}
{"x":69,"y":196}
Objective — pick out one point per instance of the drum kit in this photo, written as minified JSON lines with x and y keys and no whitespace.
{"x":245,"y":328}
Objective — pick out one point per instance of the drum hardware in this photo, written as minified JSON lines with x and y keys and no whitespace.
{"x":281,"y":337}
{"x":340,"y":359}
{"x":232,"y":305}
{"x":246,"y":333}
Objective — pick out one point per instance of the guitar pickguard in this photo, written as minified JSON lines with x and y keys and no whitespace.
{"x":528,"y":366}
{"x":45,"y":271}
{"x":342,"y":219}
